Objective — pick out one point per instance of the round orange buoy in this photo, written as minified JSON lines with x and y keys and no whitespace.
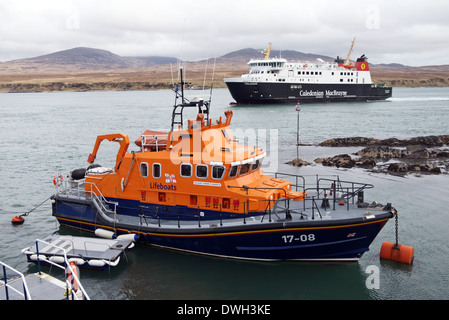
{"x":399,"y":253}
{"x":18,"y":220}
{"x":342,"y":203}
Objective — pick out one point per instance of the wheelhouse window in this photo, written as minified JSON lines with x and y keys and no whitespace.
{"x":218,"y":172}
{"x":255,"y":165}
{"x":186,"y":170}
{"x":201,"y":171}
{"x":156,"y":170}
{"x":233,"y":171}
{"x":144,"y":170}
{"x":244,"y":168}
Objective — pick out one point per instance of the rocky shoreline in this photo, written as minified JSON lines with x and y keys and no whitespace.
{"x":419,"y":155}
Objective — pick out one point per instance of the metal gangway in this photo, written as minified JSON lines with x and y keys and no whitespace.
{"x":42,"y":286}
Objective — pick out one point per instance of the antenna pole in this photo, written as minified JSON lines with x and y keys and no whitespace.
{"x":182,"y":87}
{"x":212,"y":82}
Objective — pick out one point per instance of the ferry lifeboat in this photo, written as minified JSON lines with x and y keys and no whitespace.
{"x":197,"y":190}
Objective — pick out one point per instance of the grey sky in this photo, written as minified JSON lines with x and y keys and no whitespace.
{"x":409,"y":32}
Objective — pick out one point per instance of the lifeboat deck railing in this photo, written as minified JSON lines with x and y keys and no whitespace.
{"x":77,"y":189}
{"x":326,"y":188}
{"x":324,"y":194}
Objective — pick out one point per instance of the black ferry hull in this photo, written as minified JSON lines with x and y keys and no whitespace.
{"x":276,"y":93}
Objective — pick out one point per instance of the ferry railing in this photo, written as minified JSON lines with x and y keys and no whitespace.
{"x":25,"y":293}
{"x":67,"y":266}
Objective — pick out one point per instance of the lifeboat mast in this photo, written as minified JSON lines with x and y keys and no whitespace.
{"x":177,"y":115}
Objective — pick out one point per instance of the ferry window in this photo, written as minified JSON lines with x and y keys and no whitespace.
{"x":186,"y":170}
{"x":156,"y":170}
{"x":144,"y":169}
{"x":233,"y":171}
{"x":244,"y":169}
{"x":201,"y":171}
{"x":218,"y":172}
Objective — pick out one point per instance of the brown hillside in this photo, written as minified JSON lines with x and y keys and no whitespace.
{"x":86,"y":69}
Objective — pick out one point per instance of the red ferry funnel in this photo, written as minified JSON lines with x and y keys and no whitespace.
{"x":398,"y":253}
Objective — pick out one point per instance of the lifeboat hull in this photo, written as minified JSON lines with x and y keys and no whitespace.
{"x":251,"y":238}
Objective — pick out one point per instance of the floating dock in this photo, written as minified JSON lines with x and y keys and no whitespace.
{"x":85,"y":252}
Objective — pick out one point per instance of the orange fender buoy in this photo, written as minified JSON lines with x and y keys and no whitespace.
{"x":399,"y":253}
{"x":71,"y":278}
{"x":18,"y":220}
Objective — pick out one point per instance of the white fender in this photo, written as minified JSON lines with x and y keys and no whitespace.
{"x":102,"y":233}
{"x":128,"y":237}
{"x":112,"y":263}
{"x":78,"y":261}
{"x":33,"y":257}
{"x":56,"y":259}
{"x":96,"y":263}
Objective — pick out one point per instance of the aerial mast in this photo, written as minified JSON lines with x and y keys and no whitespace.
{"x":267,"y":52}
{"x":350,"y":51}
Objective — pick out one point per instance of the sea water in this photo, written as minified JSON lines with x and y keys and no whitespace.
{"x":45,"y":133}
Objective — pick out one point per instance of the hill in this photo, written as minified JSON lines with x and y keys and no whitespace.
{"x":79,"y":59}
{"x":84,"y":69}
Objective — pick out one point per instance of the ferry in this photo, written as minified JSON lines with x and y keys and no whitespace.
{"x":194,"y":188}
{"x":276,"y":81}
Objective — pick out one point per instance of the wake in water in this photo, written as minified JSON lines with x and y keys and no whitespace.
{"x":417,"y":99}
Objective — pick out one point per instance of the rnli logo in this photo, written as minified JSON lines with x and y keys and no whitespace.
{"x":170,"y":178}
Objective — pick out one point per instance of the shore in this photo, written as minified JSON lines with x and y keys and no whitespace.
{"x":22,"y":79}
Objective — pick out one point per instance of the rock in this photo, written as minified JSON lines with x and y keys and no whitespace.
{"x":299,"y":163}
{"x":404,"y":168}
{"x":347,"y":142}
{"x":429,"y":141}
{"x":419,"y":154}
{"x":339,"y":161}
{"x":425,"y":141}
{"x":398,"y":168}
{"x":380,"y":152}
{"x":365,"y":162}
